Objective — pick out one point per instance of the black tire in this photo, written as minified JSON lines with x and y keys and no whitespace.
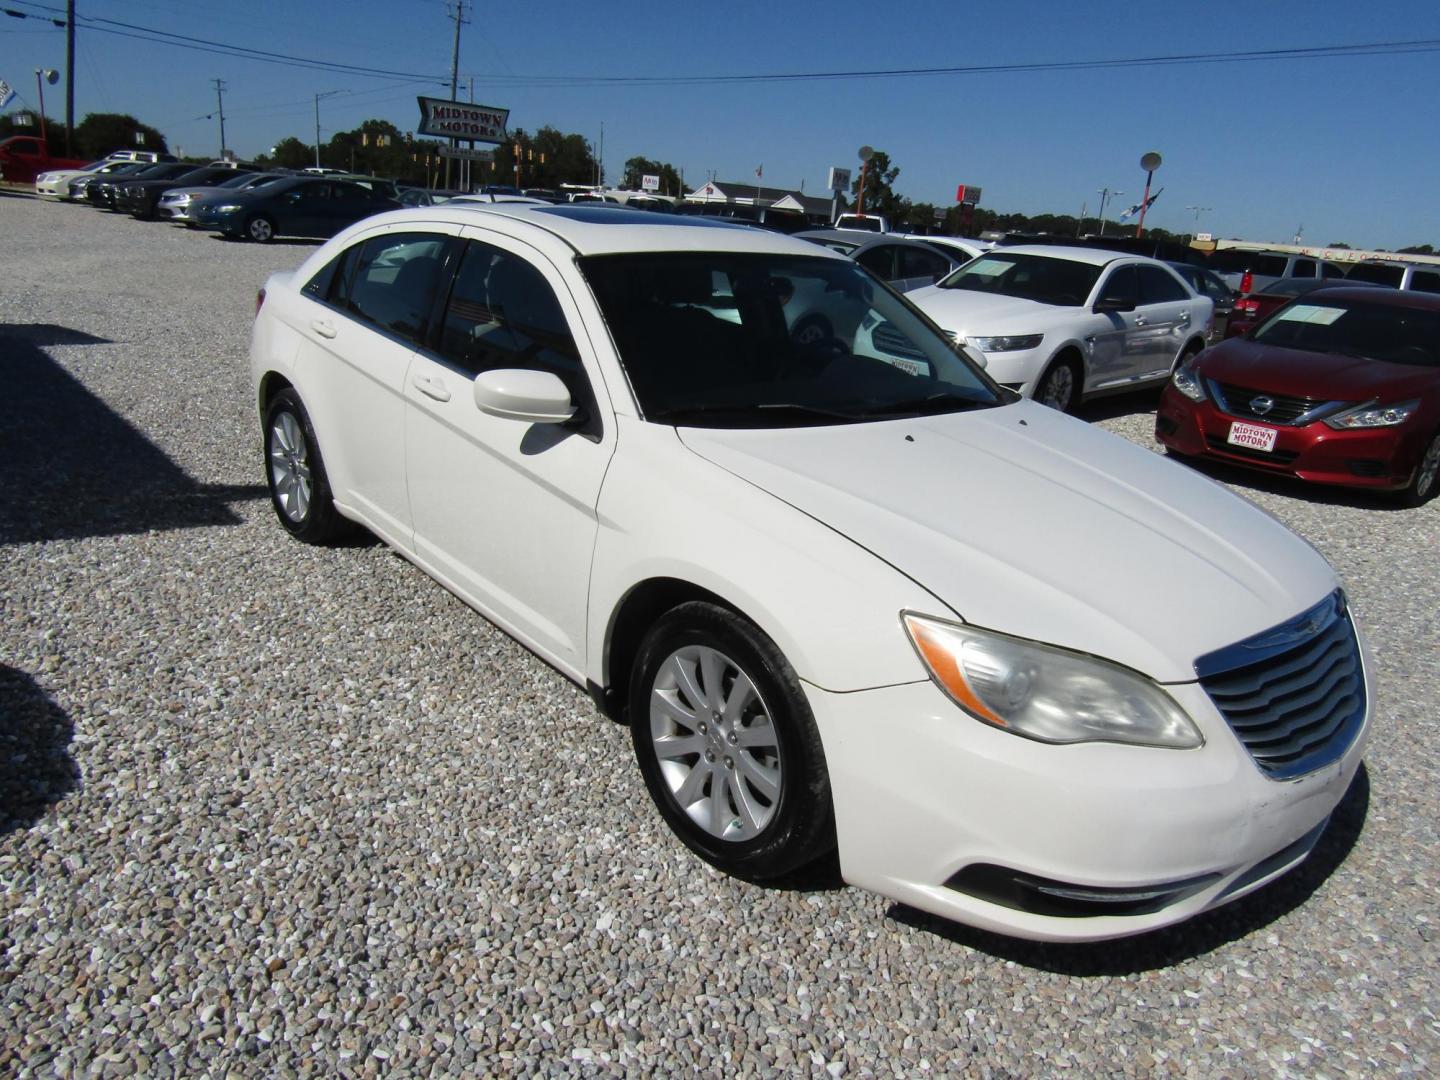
{"x":293,"y":465}
{"x":800,"y":826}
{"x":1426,"y":480}
{"x":1059,"y":387}
{"x":260,"y":229}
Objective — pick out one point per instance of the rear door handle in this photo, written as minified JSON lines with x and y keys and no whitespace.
{"x":433,"y":388}
{"x":323,"y":328}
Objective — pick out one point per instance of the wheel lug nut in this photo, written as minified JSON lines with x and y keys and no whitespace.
{"x":729,"y":762}
{"x":710,"y":755}
{"x":704,"y":727}
{"x":734,"y":738}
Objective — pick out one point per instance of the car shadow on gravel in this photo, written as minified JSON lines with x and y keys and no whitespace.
{"x":1117,"y":406}
{"x":36,"y":769}
{"x":74,"y":468}
{"x":1185,"y":941}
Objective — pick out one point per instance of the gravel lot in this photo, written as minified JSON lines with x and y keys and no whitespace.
{"x":270,"y":810}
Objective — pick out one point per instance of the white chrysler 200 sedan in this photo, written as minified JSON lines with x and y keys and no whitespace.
{"x":847,"y":590}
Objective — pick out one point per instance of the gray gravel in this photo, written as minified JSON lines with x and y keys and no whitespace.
{"x":267,"y":810}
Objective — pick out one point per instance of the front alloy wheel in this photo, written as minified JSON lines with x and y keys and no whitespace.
{"x":1427,"y":475}
{"x":727,"y":744}
{"x":1057,"y":386}
{"x":713,"y":737}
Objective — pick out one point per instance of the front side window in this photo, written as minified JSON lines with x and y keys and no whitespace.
{"x":1042,"y":278}
{"x":1123,"y":286}
{"x":922,"y":263}
{"x":390,"y":281}
{"x":1378,"y":273}
{"x":728,"y":339}
{"x":502,"y":313}
{"x":880,"y":261}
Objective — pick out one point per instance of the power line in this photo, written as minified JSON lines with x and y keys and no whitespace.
{"x":145,"y":33}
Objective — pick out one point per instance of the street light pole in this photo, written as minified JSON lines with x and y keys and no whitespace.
{"x":42,"y":76}
{"x":1198,"y":211}
{"x":1105,"y":196}
{"x":1150,"y":162}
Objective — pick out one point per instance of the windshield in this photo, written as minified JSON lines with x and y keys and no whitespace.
{"x":719,"y":339}
{"x":1043,"y":278}
{"x":1356,"y":328}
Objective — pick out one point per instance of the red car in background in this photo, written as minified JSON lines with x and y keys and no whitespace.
{"x":1340,"y":386}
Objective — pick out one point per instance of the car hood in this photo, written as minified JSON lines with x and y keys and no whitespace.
{"x":1314,"y":375}
{"x":968,"y":312}
{"x":1026,"y":521}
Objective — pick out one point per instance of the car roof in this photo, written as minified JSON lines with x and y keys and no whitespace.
{"x":591,"y":229}
{"x":901,"y":241}
{"x":1094,"y":256}
{"x":1384,"y":296}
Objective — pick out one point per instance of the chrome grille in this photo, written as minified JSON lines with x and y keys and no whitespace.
{"x":1280,"y":409}
{"x":1295,"y":694}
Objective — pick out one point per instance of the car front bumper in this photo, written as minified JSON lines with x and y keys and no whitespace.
{"x":928,"y":801}
{"x":1378,"y":458}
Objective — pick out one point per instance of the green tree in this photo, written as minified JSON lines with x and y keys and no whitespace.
{"x":100,"y":133}
{"x":291,"y":153}
{"x":880,"y":197}
{"x":1418,"y":249}
{"x":1340,"y":245}
{"x":638,"y":167}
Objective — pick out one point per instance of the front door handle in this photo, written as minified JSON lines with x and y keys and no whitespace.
{"x":431,"y":388}
{"x":323,"y":328}
{"x":1184,"y":317}
{"x":1139,"y":320}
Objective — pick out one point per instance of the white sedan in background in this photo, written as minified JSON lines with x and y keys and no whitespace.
{"x":1022,"y":673}
{"x":51,"y":185}
{"x":1059,"y":324}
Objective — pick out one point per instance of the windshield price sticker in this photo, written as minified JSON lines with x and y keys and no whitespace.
{"x":988,"y":267}
{"x":1311,"y":313}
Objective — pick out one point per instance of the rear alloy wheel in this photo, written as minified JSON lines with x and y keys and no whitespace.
{"x":727,"y":744}
{"x":295,"y":473}
{"x":1059,"y":386}
{"x":260,"y":229}
{"x":1426,"y":480}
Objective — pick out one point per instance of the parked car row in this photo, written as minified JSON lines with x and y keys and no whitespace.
{"x":955,"y":635}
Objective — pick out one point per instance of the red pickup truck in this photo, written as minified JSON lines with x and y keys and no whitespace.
{"x":24,"y":157}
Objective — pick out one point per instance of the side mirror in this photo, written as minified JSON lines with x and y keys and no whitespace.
{"x":1106,"y":304}
{"x":539,"y":397}
{"x":975,"y":356}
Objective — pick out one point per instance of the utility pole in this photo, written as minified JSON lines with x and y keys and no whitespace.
{"x":1105,"y":196}
{"x":323,"y":94}
{"x":455,"y":75}
{"x":220,"y":98}
{"x":69,"y":74}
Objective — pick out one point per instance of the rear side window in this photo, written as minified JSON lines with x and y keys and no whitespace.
{"x":1158,"y":287}
{"x":1425,"y":281}
{"x":1331,"y":270}
{"x":1303,"y":268}
{"x":391,"y":281}
{"x":1271,"y":266}
{"x":1380,"y":275}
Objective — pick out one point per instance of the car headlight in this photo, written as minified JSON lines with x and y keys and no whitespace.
{"x":1187,"y":381}
{"x":1007,"y":343}
{"x":226,"y":208}
{"x":1370,"y":415}
{"x":1047,"y":693}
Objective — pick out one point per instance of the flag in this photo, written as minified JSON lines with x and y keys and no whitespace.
{"x":759,"y":172}
{"x":1141,"y":206}
{"x":7,"y":95}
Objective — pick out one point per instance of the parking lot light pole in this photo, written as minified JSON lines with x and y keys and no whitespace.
{"x":1105,"y":196}
{"x":1198,"y":211}
{"x":1150,"y":162}
{"x":42,"y":76}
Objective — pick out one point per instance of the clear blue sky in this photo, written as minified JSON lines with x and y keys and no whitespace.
{"x":1345,"y":146}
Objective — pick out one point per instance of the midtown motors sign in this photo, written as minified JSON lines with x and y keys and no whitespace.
{"x":458,"y":120}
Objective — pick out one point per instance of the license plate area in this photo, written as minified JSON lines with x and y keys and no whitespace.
{"x":1252,"y":436}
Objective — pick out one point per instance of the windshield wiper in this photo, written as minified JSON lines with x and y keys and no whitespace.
{"x":945,"y":401}
{"x":680,"y":412}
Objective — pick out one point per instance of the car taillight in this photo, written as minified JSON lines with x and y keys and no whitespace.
{"x":1247,"y":281}
{"x":259,"y":300}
